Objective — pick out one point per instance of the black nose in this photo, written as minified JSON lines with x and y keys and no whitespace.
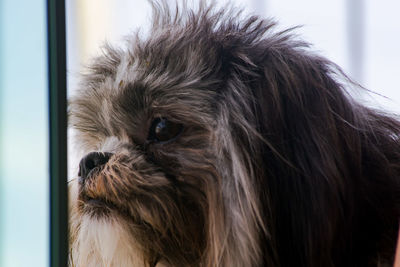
{"x":91,"y":161}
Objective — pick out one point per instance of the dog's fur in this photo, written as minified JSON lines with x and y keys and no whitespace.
{"x":276,"y":164}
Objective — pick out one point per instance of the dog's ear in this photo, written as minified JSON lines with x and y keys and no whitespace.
{"x":315,"y":145}
{"x":305,"y":119}
{"x":287,"y":112}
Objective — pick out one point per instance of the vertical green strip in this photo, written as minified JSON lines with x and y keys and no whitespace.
{"x":58,"y":133}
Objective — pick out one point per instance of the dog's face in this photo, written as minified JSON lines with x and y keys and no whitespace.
{"x":163,"y":174}
{"x":217,"y":142}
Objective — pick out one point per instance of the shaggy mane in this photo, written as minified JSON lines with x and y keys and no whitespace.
{"x":277,"y":166}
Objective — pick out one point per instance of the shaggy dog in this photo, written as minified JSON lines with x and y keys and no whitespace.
{"x":218,"y":141}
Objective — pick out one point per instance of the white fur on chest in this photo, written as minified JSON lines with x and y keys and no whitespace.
{"x":97,"y":242}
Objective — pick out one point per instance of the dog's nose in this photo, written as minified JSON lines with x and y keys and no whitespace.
{"x":91,"y":161}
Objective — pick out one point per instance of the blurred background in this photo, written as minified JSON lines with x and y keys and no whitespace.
{"x":362,"y":36}
{"x":24,"y":161}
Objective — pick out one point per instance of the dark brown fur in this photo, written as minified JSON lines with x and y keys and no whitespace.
{"x":277,"y":164}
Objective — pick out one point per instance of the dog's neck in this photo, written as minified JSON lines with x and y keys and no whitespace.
{"x":103,"y":243}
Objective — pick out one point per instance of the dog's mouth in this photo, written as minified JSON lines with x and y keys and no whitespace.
{"x":100,"y":206}
{"x":95,"y":196}
{"x":91,"y":204}
{"x":99,"y":203}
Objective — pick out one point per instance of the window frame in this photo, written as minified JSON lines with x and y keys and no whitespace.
{"x":57,"y":133}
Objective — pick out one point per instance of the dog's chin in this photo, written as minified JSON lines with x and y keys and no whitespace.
{"x":99,"y":233}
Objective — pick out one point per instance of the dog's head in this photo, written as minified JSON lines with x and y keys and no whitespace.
{"x":195,"y":141}
{"x":169,"y":132}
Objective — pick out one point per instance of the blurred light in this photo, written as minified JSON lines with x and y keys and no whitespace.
{"x":24,"y":203}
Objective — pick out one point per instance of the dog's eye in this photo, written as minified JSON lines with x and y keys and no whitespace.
{"x":163,"y":130}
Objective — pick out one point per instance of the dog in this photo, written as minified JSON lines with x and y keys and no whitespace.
{"x":220,"y":141}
